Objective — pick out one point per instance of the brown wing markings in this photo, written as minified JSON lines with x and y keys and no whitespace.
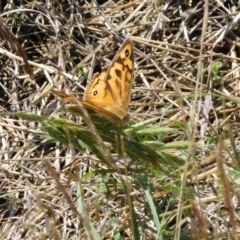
{"x":92,"y":91}
{"x":123,"y":63}
{"x":119,"y":88}
{"x":109,"y":91}
{"x":113,"y":80}
{"x":127,"y":58}
{"x":118,"y":73}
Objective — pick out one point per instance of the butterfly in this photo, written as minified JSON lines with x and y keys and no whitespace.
{"x":109,"y":91}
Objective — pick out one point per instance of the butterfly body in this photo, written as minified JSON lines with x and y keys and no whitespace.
{"x":109,"y":91}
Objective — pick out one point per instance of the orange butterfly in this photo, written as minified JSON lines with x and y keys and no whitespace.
{"x":109,"y":91}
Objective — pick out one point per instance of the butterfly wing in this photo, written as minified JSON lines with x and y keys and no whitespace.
{"x":99,"y":94}
{"x":109,"y":91}
{"x":111,"y":88}
{"x":120,"y":74}
{"x":108,"y":115}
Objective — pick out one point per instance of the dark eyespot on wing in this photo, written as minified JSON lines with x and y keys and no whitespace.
{"x":127,"y":52}
{"x":95,"y":93}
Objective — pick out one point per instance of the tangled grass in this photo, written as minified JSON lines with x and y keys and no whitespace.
{"x":172,"y":173}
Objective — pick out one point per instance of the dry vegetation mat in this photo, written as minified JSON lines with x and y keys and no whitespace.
{"x":70,"y":169}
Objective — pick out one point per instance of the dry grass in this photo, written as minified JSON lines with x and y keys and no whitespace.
{"x":173,"y":173}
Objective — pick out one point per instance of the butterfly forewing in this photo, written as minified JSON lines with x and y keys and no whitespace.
{"x":120,"y":75}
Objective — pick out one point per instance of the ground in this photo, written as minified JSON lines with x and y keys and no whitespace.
{"x":171,"y":171}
